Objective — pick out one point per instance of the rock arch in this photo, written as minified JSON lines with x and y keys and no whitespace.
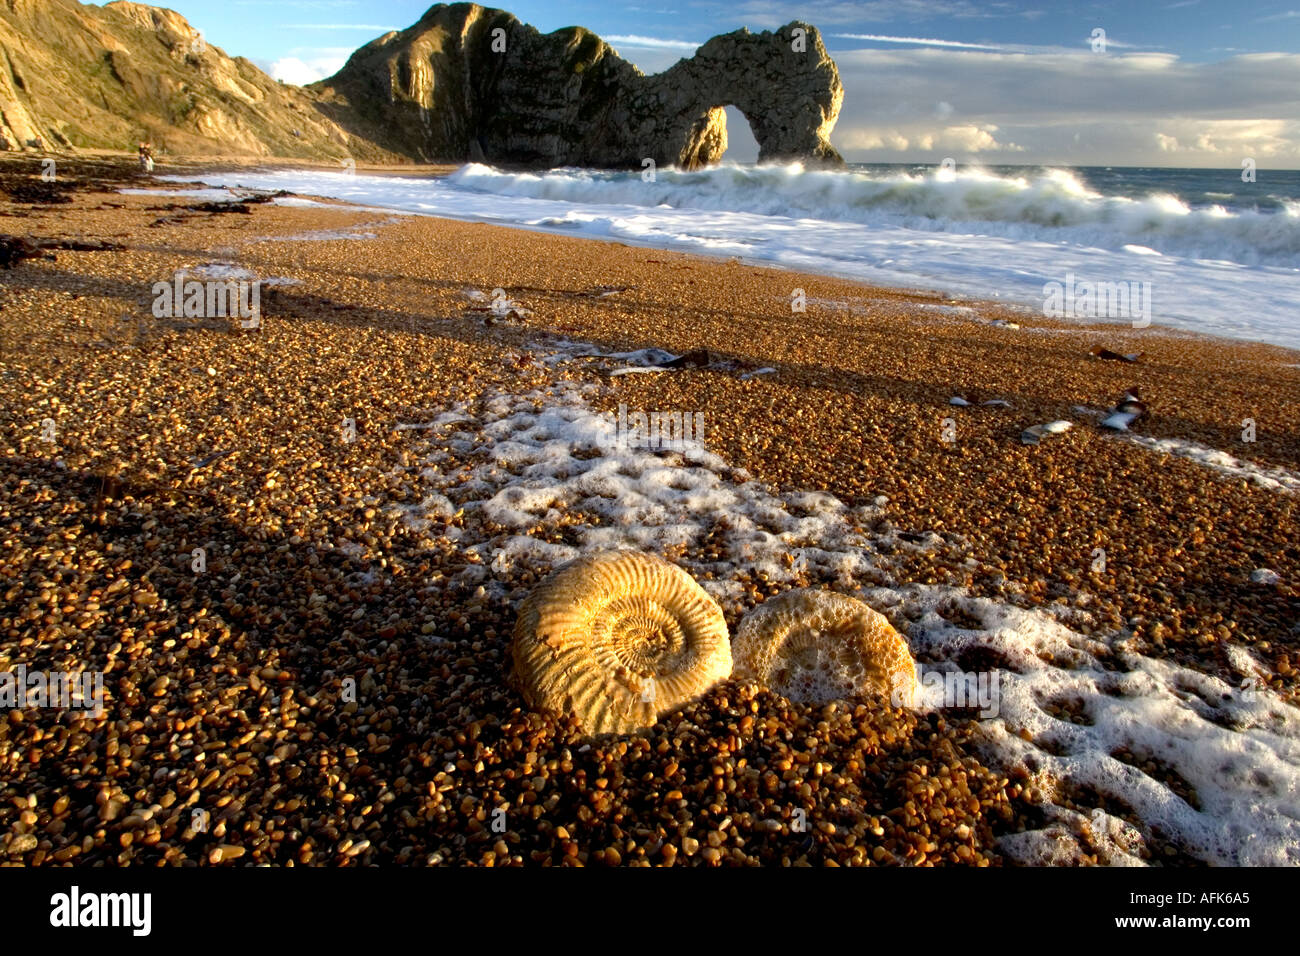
{"x":789,"y":92}
{"x":439,"y":90}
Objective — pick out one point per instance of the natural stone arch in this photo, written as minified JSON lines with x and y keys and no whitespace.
{"x":790,"y":97}
{"x":444,"y":90}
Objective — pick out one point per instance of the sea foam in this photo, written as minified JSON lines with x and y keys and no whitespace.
{"x":1207,"y":763}
{"x":972,"y":233}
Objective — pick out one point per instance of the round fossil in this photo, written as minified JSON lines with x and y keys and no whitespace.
{"x":817,"y":646}
{"x":618,"y":638}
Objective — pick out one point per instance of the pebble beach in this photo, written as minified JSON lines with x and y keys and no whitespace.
{"x":366,"y":480}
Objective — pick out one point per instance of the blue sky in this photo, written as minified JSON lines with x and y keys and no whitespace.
{"x":1180,"y":83}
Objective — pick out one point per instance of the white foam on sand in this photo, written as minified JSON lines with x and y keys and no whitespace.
{"x":1274,"y":479}
{"x":1234,"y":747}
{"x":228,"y":271}
{"x":542,"y":477}
{"x":298,"y":202}
{"x":220,"y":271}
{"x":539,"y":460}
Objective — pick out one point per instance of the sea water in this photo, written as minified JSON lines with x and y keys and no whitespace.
{"x":1221,"y":256}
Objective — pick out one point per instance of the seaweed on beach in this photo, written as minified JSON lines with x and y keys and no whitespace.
{"x":33,"y":191}
{"x":16,"y":249}
{"x":21,"y":180}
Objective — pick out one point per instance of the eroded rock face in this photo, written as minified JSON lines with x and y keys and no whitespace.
{"x":784,"y":82}
{"x":473,"y":83}
{"x":464,"y":83}
{"x":74,"y":75}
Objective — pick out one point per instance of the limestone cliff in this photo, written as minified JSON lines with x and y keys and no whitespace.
{"x":473,"y":83}
{"x":464,"y":83}
{"x":74,"y":75}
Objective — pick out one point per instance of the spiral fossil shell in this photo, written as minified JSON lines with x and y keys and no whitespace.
{"x":618,"y":638}
{"x":816,"y":646}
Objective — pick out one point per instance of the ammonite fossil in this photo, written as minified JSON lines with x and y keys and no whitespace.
{"x":618,"y":638}
{"x":817,"y":646}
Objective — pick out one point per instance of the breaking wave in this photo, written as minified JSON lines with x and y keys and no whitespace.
{"x":1048,"y":205}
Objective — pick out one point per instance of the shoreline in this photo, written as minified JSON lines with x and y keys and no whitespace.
{"x":384,"y":331}
{"x":1009,"y":308}
{"x":1027,"y":305}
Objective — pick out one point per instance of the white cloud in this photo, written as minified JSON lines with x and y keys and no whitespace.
{"x":1111,"y":43}
{"x":914,"y":41}
{"x":291,"y":69}
{"x":775,"y":13}
{"x":968,"y":140}
{"x":650,"y":43}
{"x":1077,"y":108}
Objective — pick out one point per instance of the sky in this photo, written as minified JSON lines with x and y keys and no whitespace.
{"x":1203,"y":83}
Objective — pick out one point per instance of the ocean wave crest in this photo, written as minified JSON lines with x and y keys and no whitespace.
{"x":1050,"y":205}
